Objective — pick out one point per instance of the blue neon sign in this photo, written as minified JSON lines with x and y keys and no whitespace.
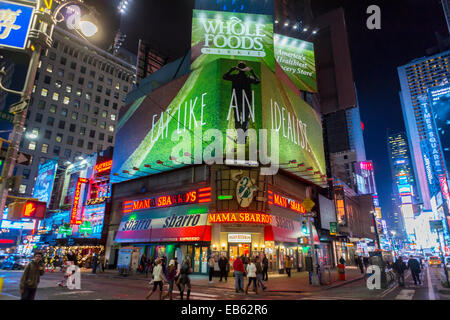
{"x":15,"y":23}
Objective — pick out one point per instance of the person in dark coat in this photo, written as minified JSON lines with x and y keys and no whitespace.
{"x":366,"y":262}
{"x":414,"y":267}
{"x":94,"y":262}
{"x":31,"y":277}
{"x":399,"y":269}
{"x":223,"y":261}
{"x":360,"y":264}
{"x":265,"y":265}
{"x":342,"y":260}
{"x":309,"y":267}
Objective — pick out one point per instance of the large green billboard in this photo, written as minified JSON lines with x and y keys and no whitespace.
{"x":219,"y":34}
{"x":189,"y":119}
{"x":296,"y":58}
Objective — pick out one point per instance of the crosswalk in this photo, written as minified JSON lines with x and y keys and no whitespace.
{"x":405,"y":294}
{"x":198,"y":295}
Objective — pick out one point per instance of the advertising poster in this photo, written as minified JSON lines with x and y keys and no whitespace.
{"x":224,"y":94}
{"x":44,"y":181}
{"x":92,"y":225}
{"x":241,"y":36}
{"x":296,"y":58}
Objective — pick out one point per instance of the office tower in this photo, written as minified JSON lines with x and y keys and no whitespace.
{"x":416,"y":78}
{"x":78,"y":93}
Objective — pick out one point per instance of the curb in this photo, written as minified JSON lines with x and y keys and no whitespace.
{"x":344,"y":283}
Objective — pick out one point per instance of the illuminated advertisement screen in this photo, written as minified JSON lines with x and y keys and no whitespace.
{"x":92,"y":224}
{"x":296,"y":58}
{"x":44,"y":181}
{"x":217,"y":96}
{"x":440,"y":105}
{"x":241,"y":36}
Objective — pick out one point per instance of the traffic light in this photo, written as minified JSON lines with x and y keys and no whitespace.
{"x":27,"y":209}
{"x":304,"y":227}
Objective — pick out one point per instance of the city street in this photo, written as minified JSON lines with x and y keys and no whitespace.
{"x":109,"y":286}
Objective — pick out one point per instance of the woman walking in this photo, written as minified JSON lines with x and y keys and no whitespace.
{"x":184,"y":280}
{"x":158,"y":278}
{"x":171,"y":276}
{"x":251,"y":274}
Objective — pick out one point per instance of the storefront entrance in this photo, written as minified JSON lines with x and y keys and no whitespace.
{"x":238,"y":250}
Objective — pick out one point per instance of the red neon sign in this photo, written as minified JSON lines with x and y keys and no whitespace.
{"x":6,"y":241}
{"x":284,"y":202}
{"x":241,"y":217}
{"x":104,"y":166}
{"x":202,"y":195}
{"x":76,"y":201}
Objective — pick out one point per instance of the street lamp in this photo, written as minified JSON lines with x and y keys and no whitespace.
{"x":40,"y":38}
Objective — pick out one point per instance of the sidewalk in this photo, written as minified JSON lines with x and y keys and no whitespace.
{"x":299,"y":282}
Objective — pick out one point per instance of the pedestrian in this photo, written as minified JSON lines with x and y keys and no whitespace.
{"x":158,"y":278}
{"x":399,"y":269}
{"x":309,"y":267}
{"x":342,"y":260}
{"x":265,"y":263}
{"x":245,"y":261}
{"x":184,"y":280}
{"x":238,"y":267}
{"x":31,"y":277}
{"x":102,"y":261}
{"x":251,"y":274}
{"x":366,"y":262}
{"x":171,"y":277}
{"x":288,"y":265}
{"x":142,"y":263}
{"x":212,"y":261}
{"x":164,"y":263}
{"x":94,"y":262}
{"x":356,"y":260}
{"x":414,"y":267}
{"x":223,"y":262}
{"x":259,"y":273}
{"x":360,"y":264}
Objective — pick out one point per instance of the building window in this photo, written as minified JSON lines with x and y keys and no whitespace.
{"x":55,"y":96}
{"x":94,"y":121}
{"x":115,"y":105}
{"x":101,"y":77}
{"x":83,"y":69}
{"x":109,"y":82}
{"x":92,"y":134}
{"x":79,"y":92}
{"x":87,"y":107}
{"x":60,"y":73}
{"x":64,"y":112}
{"x":58,"y":84}
{"x":32,"y":145}
{"x":104,"y":114}
{"x":59,"y":137}
{"x":111,"y":128}
{"x":76,"y":104}
{"x":101,"y":136}
{"x":72,"y":127}
{"x":82,"y":131}
{"x":73,"y":65}
{"x":56,"y":150}
{"x":108,"y":92}
{"x":90,"y":85}
{"x":88,"y":96}
{"x":80,"y":81}
{"x":97,"y":99}
{"x":96,"y":110}
{"x":53,"y":108}
{"x":84,"y":118}
{"x":52,"y":56}
{"x":90,"y":145}
{"x":99,"y":88}
{"x":70,"y":140}
{"x":68,"y":88}
{"x":103,"y":125}
{"x":63,"y":61}
{"x":23,"y":189}
{"x":113,"y":117}
{"x":62,"y":124}
{"x":41,"y":105}
{"x":26,"y":173}
{"x":47,"y":79}
{"x":38,"y":117}
{"x":92,"y":73}
{"x":50,"y":121}
{"x":44,"y":92}
{"x":44,"y":148}
{"x":106,"y":103}
{"x":67,"y":153}
{"x":110,"y":139}
{"x":66,"y":100}
{"x":48,"y":134}
{"x":118,"y":86}
{"x":49,"y":68}
{"x":74,"y":115}
{"x":71,"y":76}
{"x":80,"y":143}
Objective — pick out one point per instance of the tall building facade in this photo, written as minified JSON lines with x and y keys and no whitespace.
{"x":79,"y":90}
{"x":416,"y":78}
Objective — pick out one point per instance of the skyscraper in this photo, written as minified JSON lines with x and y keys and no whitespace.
{"x":78,"y":92}
{"x":416,"y":78}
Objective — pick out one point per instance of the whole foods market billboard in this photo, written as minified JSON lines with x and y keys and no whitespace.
{"x":44,"y":181}
{"x":296,"y":58}
{"x":219,"y":34}
{"x":193,"y":118}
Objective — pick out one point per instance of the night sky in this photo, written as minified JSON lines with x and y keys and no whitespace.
{"x":408,"y":29}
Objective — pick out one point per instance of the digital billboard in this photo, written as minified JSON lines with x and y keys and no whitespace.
{"x":440,"y":104}
{"x":296,"y":58}
{"x":224,"y":94}
{"x":220,"y":34}
{"x":44,"y":181}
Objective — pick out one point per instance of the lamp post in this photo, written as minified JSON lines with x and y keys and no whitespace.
{"x":40,"y":38}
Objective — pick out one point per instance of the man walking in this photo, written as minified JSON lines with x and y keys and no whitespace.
{"x":31,"y":277}
{"x":238,"y":268}
{"x":309,"y":267}
{"x":212,"y":261}
{"x":399,"y":269}
{"x":259,"y":273}
{"x":223,"y":262}
{"x":265,"y":263}
{"x":288,"y":265}
{"x":414,"y":267}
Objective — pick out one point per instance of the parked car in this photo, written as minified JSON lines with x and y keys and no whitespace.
{"x":15,"y":262}
{"x":434,"y":261}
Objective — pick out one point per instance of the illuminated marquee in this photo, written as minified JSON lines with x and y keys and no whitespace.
{"x":76,"y":201}
{"x":104,"y":166}
{"x":242,"y":217}
{"x":202,"y":195}
{"x":95,"y":201}
{"x":284,"y":202}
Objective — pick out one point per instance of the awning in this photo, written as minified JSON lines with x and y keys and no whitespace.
{"x":164,"y":225}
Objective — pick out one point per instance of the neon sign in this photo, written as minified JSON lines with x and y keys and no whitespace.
{"x":95,"y":201}
{"x":104,"y":166}
{"x":284,"y":202}
{"x":76,"y":201}
{"x":202,"y":195}
{"x":366,"y":166}
{"x":242,"y":217}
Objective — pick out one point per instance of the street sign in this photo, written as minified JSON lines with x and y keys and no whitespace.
{"x":15,"y":24}
{"x":436,"y":225}
{"x":24,"y":158}
{"x":333,"y":228}
{"x":18,"y":106}
{"x":308,"y":204}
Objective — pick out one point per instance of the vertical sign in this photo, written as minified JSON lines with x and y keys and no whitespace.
{"x":15,"y":23}
{"x":76,"y":201}
{"x":44,"y":181}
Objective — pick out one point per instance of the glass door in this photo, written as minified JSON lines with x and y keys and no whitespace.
{"x":196,"y":259}
{"x":233,"y":254}
{"x":204,"y":266}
